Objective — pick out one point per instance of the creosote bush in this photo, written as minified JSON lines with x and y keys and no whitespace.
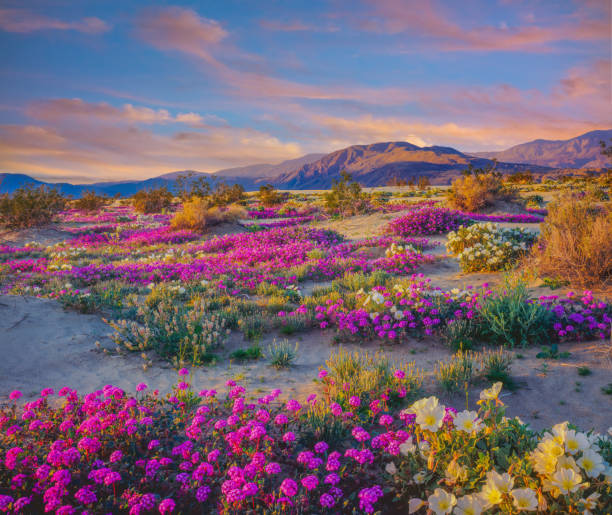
{"x":476,"y":191}
{"x":152,"y":200}
{"x":30,"y":207}
{"x":575,"y":243}
{"x":345,"y":198}
{"x":90,"y":201}
{"x":198,"y":215}
{"x":269,"y":196}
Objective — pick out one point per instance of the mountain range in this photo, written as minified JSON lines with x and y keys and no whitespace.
{"x":370,"y":165}
{"x":581,"y":152}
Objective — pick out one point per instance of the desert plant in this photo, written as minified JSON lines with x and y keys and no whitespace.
{"x":460,"y":334}
{"x":345,"y":198}
{"x":269,"y":196}
{"x":90,"y":201}
{"x":457,"y":373}
{"x":478,"y":190}
{"x":353,"y":379}
{"x":488,"y":247}
{"x":282,"y":354}
{"x":575,"y":243}
{"x":511,"y":319}
{"x":495,"y":366}
{"x":153,"y":200}
{"x":30,"y":207}
{"x":251,"y":353}
{"x":198,"y":215}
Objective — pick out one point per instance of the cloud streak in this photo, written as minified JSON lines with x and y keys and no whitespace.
{"x":25,"y":21}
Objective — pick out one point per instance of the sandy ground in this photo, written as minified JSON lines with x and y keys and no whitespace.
{"x":49,"y":235}
{"x":42,"y":345}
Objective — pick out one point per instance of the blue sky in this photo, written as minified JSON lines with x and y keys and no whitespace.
{"x":97,"y":90}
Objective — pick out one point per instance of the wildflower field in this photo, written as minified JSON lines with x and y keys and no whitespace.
{"x":380,"y":353}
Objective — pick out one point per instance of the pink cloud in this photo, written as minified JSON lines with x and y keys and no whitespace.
{"x":25,"y":21}
{"x":433,"y":22}
{"x":296,"y":26}
{"x":179,"y":29}
{"x":74,"y":109}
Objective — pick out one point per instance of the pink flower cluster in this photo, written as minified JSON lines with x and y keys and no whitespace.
{"x":111,"y":452}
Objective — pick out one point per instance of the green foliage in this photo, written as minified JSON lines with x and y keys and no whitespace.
{"x":460,"y":334}
{"x":345,"y":197}
{"x":368,"y":376}
{"x":496,"y":367}
{"x":30,"y":207}
{"x":282,"y":354}
{"x":509,"y":318}
{"x":181,"y":333}
{"x":251,"y":353}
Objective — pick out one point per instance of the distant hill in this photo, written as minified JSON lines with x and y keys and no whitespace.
{"x":580,"y":152}
{"x":376,"y":164}
{"x":268,"y":170}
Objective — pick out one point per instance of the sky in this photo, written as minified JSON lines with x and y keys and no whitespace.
{"x":94,"y":90}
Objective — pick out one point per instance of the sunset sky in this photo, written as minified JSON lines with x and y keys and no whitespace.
{"x":97,"y":90}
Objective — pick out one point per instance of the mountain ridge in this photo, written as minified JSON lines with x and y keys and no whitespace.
{"x":373,"y":164}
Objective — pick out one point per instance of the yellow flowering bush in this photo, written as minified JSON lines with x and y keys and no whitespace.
{"x":474,"y":462}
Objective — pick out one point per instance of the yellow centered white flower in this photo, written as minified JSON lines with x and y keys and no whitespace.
{"x":576,"y":442}
{"x":592,"y":463}
{"x":491,"y":393}
{"x":524,"y":499}
{"x":467,"y":421}
{"x":441,"y":502}
{"x":470,"y":505}
{"x":566,"y":481}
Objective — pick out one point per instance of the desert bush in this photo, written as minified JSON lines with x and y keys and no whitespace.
{"x":224,"y":194}
{"x":534,"y":201}
{"x":510,"y":319}
{"x":488,"y":247}
{"x":477,"y":191}
{"x":460,"y":334}
{"x":575,"y":243}
{"x":30,"y":207}
{"x":179,"y":333}
{"x":269,"y":196}
{"x":90,"y":201}
{"x":495,"y":366}
{"x":198,"y":215}
{"x":153,"y":200}
{"x":282,"y":354}
{"x":457,"y":373}
{"x":345,"y":198}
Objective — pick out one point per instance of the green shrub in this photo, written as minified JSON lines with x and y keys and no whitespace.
{"x":179,"y":333}
{"x":251,"y":353}
{"x":30,"y":207}
{"x":510,"y":319}
{"x":282,"y":355}
{"x":495,"y":366}
{"x":345,"y":197}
